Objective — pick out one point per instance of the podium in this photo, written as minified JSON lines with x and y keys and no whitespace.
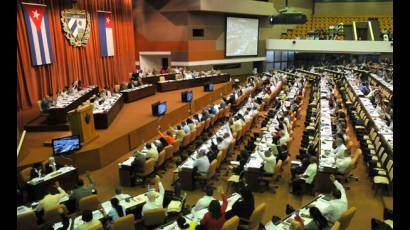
{"x":82,"y":122}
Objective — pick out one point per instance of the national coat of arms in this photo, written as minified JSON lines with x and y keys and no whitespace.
{"x":76,"y":25}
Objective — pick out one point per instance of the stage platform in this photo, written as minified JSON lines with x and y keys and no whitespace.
{"x":133,"y":126}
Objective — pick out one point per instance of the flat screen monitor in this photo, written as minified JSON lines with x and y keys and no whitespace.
{"x":186,"y":96}
{"x":159,"y":108}
{"x":66,"y":145}
{"x":208,"y":87}
{"x":241,"y":36}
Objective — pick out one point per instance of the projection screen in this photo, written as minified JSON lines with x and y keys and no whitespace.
{"x":241,"y":36}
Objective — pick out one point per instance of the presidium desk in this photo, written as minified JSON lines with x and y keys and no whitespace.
{"x":194,"y":82}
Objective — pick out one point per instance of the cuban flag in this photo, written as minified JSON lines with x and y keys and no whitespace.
{"x":105,"y":28}
{"x":38,"y":30}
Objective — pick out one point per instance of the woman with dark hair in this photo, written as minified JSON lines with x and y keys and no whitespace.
{"x":214,"y":219}
{"x":243,"y":207}
{"x":319,"y":221}
{"x":116,"y":211}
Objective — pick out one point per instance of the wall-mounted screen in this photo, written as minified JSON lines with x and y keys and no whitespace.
{"x":241,"y":37}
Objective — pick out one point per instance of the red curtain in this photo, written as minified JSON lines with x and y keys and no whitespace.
{"x":71,"y":63}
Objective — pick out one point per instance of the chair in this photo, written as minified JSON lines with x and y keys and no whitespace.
{"x":90,"y":202}
{"x":275,"y":176}
{"x":27,"y":221}
{"x":25,"y":174}
{"x":117,"y":88}
{"x":154,"y":217}
{"x":161,"y":159}
{"x":97,"y":227}
{"x":149,"y":168}
{"x":211,"y":172}
{"x":346,"y":218}
{"x":336,"y":226}
{"x":186,"y":140}
{"x":124,"y":223}
{"x":255,"y":219}
{"x":175,"y":147}
{"x":231,"y":224}
{"x":168,"y":152}
{"x":53,"y":215}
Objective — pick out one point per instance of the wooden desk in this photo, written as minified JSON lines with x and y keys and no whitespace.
{"x":59,"y":115}
{"x":153,"y":79}
{"x":195,"y":82}
{"x":133,"y":95}
{"x":67,"y":180}
{"x":103,"y":120}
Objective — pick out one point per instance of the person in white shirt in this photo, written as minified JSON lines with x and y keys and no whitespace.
{"x":202,"y":163}
{"x":204,"y":201}
{"x":155,"y":199}
{"x":119,"y":195}
{"x":340,"y":147}
{"x":221,"y":144}
{"x":343,"y":162}
{"x":309,"y":175}
{"x":338,"y":205}
{"x":51,"y":200}
{"x":269,"y":161}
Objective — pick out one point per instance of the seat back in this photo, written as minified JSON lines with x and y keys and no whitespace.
{"x":90,"y":202}
{"x":97,"y":227}
{"x":231,"y":224}
{"x":25,"y":174}
{"x":346,"y":217}
{"x":219,"y":158}
{"x":276,"y":171}
{"x":175,"y":146}
{"x":149,"y":168}
{"x":355,"y":160}
{"x":256,"y":216}
{"x":124,"y":223}
{"x":27,"y":221}
{"x":192,"y":136}
{"x":117,"y":88}
{"x":53,"y":215}
{"x":154,"y":216}
{"x":212,"y":169}
{"x":161,"y":159}
{"x":39,"y":106}
{"x":168,"y":152}
{"x":186,"y":140}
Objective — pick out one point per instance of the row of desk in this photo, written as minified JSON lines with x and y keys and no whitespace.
{"x":58,"y":113}
{"x":37,"y":188}
{"x":385,"y":132}
{"x":253,"y":167}
{"x":321,"y":202}
{"x":105,"y":114}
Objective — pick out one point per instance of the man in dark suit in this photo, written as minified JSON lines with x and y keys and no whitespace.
{"x":82,"y":190}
